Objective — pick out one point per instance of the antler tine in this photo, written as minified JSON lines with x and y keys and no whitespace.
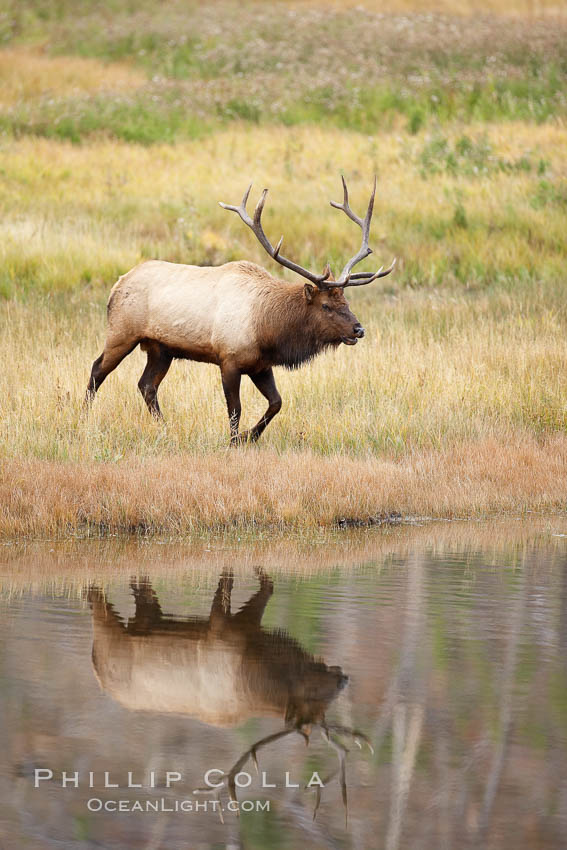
{"x":342,"y":753}
{"x":364,"y":225}
{"x":355,"y":734}
{"x":345,"y":207}
{"x":362,"y":278}
{"x":241,"y":210}
{"x":255,"y":226}
{"x":229,"y":779}
{"x":251,"y":753}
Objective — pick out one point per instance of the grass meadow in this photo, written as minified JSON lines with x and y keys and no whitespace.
{"x":119,"y":132}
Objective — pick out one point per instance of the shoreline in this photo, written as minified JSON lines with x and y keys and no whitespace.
{"x":69,"y":565}
{"x":257,"y":491}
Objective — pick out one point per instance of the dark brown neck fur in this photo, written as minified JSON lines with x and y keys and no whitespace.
{"x":287,"y":332}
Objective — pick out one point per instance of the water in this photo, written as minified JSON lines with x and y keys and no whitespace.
{"x":437,"y":667}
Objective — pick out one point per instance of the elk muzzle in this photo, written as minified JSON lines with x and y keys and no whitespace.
{"x":357,"y":333}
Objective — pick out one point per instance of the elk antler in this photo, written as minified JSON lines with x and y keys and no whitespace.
{"x":346,"y":279}
{"x":256,"y":226}
{"x":229,"y":779}
{"x":342,"y":753}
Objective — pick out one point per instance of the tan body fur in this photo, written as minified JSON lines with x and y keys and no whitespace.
{"x":202,"y":313}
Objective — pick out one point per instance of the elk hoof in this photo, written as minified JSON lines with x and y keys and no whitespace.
{"x":243,"y":438}
{"x":265,"y":580}
{"x":93,"y":594}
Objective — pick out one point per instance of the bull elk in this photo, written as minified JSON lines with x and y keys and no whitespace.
{"x":237,"y":316}
{"x":221,"y":670}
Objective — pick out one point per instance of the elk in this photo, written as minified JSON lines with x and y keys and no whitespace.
{"x":237,"y":316}
{"x":221,"y":670}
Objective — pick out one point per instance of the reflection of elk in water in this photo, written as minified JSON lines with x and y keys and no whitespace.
{"x":222,"y":670}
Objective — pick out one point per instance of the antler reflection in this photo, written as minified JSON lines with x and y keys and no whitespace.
{"x":327,"y":729}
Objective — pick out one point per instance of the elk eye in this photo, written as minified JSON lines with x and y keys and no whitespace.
{"x":327,"y":308}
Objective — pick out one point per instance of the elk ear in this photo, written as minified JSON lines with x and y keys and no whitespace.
{"x":309,"y":290}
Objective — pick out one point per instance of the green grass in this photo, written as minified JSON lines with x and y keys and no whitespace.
{"x":209,"y":65}
{"x":135,"y":118}
{"x":165,"y":114}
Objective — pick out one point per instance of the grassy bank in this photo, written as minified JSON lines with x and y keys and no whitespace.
{"x":455,"y":402}
{"x":262,"y":491}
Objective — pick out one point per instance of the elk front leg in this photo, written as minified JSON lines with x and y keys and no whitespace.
{"x":231,"y":385}
{"x":265,"y":382}
{"x":148,"y":610}
{"x":253,"y":610}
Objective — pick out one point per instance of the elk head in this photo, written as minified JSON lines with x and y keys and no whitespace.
{"x":329,"y":311}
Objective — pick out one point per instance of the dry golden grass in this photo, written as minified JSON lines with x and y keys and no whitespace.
{"x":259,"y":490}
{"x":428,"y":374}
{"x":26,"y":74}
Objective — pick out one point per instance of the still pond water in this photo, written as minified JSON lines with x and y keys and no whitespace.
{"x":421,"y":680}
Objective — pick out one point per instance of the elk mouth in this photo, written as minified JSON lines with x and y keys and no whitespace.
{"x":349,"y":340}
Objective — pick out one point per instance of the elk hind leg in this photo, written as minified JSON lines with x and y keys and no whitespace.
{"x":159,"y":361}
{"x":220,"y":609}
{"x":103,"y":611}
{"x":113,"y":354}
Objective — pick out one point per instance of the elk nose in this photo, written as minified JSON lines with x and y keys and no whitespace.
{"x":358,"y":331}
{"x":342,"y":678}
